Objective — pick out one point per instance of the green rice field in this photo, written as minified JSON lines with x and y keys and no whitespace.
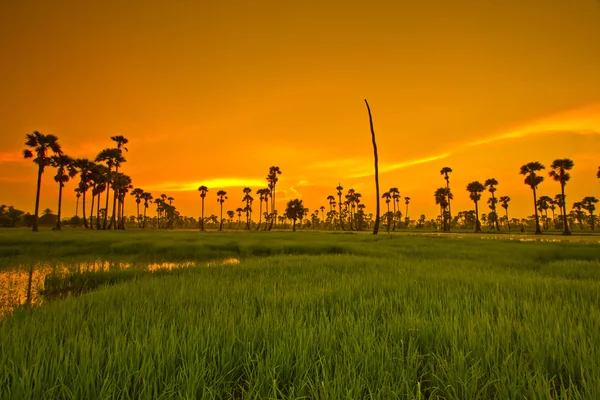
{"x":305,"y":315}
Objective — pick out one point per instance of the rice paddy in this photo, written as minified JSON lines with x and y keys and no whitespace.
{"x":304,"y":316}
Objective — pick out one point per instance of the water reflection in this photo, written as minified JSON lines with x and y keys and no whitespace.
{"x":14,"y":283}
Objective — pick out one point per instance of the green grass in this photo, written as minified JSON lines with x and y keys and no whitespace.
{"x":309,"y":315}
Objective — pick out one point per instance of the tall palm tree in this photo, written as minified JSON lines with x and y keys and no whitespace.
{"x":559,"y":173}
{"x":112,"y":158}
{"x":578,"y":205}
{"x":388,"y":197}
{"x":445,"y":171}
{"x":147,"y":197}
{"x":203,"y":190}
{"x":475,"y":189}
{"x":221,"y":197}
{"x":588,"y":204}
{"x":248,"y":199}
{"x":85,"y":167}
{"x":339,"y":189}
{"x":504,"y":200}
{"x":78,"y":196}
{"x":122,"y":184}
{"x":441,"y":199}
{"x":137,"y":193}
{"x":407,"y":202}
{"x":239,"y":210}
{"x":378,"y":211}
{"x":231,"y":214}
{"x":121,"y":141}
{"x":268,"y":217}
{"x":395,"y":193}
{"x":543,"y":203}
{"x":261,"y":198}
{"x":533,"y":180}
{"x":491,"y":185}
{"x":41,"y":144}
{"x":65,"y":170}
{"x":272,"y":180}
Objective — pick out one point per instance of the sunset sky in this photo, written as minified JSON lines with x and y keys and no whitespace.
{"x":216,"y":92}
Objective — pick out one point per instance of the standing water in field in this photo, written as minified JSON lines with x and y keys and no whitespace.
{"x":48,"y":281}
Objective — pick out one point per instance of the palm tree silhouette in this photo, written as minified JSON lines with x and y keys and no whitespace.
{"x":543,"y":204}
{"x":578,"y":205}
{"x":121,"y":141}
{"x":504,"y":200}
{"x":559,"y":173}
{"x":272,"y":180}
{"x":491,"y":185}
{"x":147,"y":198}
{"x":475,"y":189}
{"x":112,"y":158}
{"x":137,"y":193}
{"x":295,"y":210}
{"x":41,"y":145}
{"x":85,"y":167}
{"x":407,"y":202}
{"x":203,"y":190}
{"x":533,"y":180}
{"x":395,"y":193}
{"x":261,"y":197}
{"x":339,"y":189}
{"x":65,"y":169}
{"x":441,"y":198}
{"x":221,"y":197}
{"x":588,"y":204}
{"x":378,"y":211}
{"x":239,"y":210}
{"x":388,"y":197}
{"x":445,"y":171}
{"x":230,"y":214}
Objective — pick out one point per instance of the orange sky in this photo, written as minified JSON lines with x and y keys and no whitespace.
{"x":212,"y":92}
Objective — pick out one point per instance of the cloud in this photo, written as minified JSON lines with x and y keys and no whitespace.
{"x":393,"y":167}
{"x":6,"y":158}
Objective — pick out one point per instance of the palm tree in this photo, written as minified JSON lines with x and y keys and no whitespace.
{"x":239,"y":210}
{"x":221,"y":197}
{"x":268,"y":217}
{"x":122,"y":184}
{"x":138,"y":193}
{"x":295,"y":210}
{"x":588,"y":204}
{"x":272,"y":180}
{"x":78,"y":196}
{"x":578,"y":205}
{"x":41,"y":145}
{"x":491,"y":185}
{"x":203,"y":190}
{"x":559,"y":173}
{"x":407,"y":202}
{"x":475,"y":189}
{"x":504,"y":200}
{"x":230,"y":214}
{"x":441,"y":199}
{"x":65,"y":169}
{"x":112,"y":158}
{"x":261,"y":197}
{"x":445,"y":171}
{"x":147,"y":198}
{"x":533,"y":180}
{"x":395,"y":193}
{"x":85,"y":167}
{"x":121,"y":141}
{"x":543,"y":204}
{"x":388,"y":197}
{"x":377,"y":216}
{"x":339,"y":189}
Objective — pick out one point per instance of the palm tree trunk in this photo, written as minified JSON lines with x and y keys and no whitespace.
{"x":592,"y":219}
{"x":37,"y":199}
{"x":406,"y":216}
{"x":144,"y":221}
{"x":221,"y":219}
{"x":107,"y":197}
{"x":202,"y":222}
{"x":449,"y":209}
{"x":294,"y":226}
{"x":60,"y":187}
{"x":566,"y":230}
{"x":137,"y":216}
{"x":259,"y":215}
{"x":92,"y":211}
{"x":507,"y":220}
{"x":98,"y":212}
{"x":377,"y":216}
{"x":114,"y":217}
{"x":538,"y":231}
{"x":477,"y":224}
{"x":85,"y":225}
{"x":272,"y":208}
{"x":394,"y":215}
{"x":495,"y":213}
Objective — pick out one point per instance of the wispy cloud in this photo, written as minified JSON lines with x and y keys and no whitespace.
{"x":6,"y":158}
{"x":217,"y":183}
{"x":393,"y":167}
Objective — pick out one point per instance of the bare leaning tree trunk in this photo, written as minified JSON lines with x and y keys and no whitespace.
{"x":376,"y":228}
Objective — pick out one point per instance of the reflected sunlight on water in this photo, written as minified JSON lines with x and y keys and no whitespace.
{"x":14,"y":282}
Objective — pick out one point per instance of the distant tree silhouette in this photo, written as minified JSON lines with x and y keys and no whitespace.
{"x":203,"y":190}
{"x":65,"y":170}
{"x":248,"y":199}
{"x":147,"y":197}
{"x":231,"y":215}
{"x":407,"y":202}
{"x":41,"y":145}
{"x":294,"y":211}
{"x":272,"y":180}
{"x":445,"y":171}
{"x":137,"y":194}
{"x":475,"y":189}
{"x":533,"y":180}
{"x":239,"y":210}
{"x":441,"y":199}
{"x":504,"y":200}
{"x":395,"y":197}
{"x":388,"y":197}
{"x":85,"y":167}
{"x":112,"y":158}
{"x":339,"y":189}
{"x":491,"y":185}
{"x":578,"y":205}
{"x":121,"y":141}
{"x":261,"y":197}
{"x":559,"y":173}
{"x":588,"y":204}
{"x":221,"y":197}
{"x":543,"y":204}
{"x":378,"y":211}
